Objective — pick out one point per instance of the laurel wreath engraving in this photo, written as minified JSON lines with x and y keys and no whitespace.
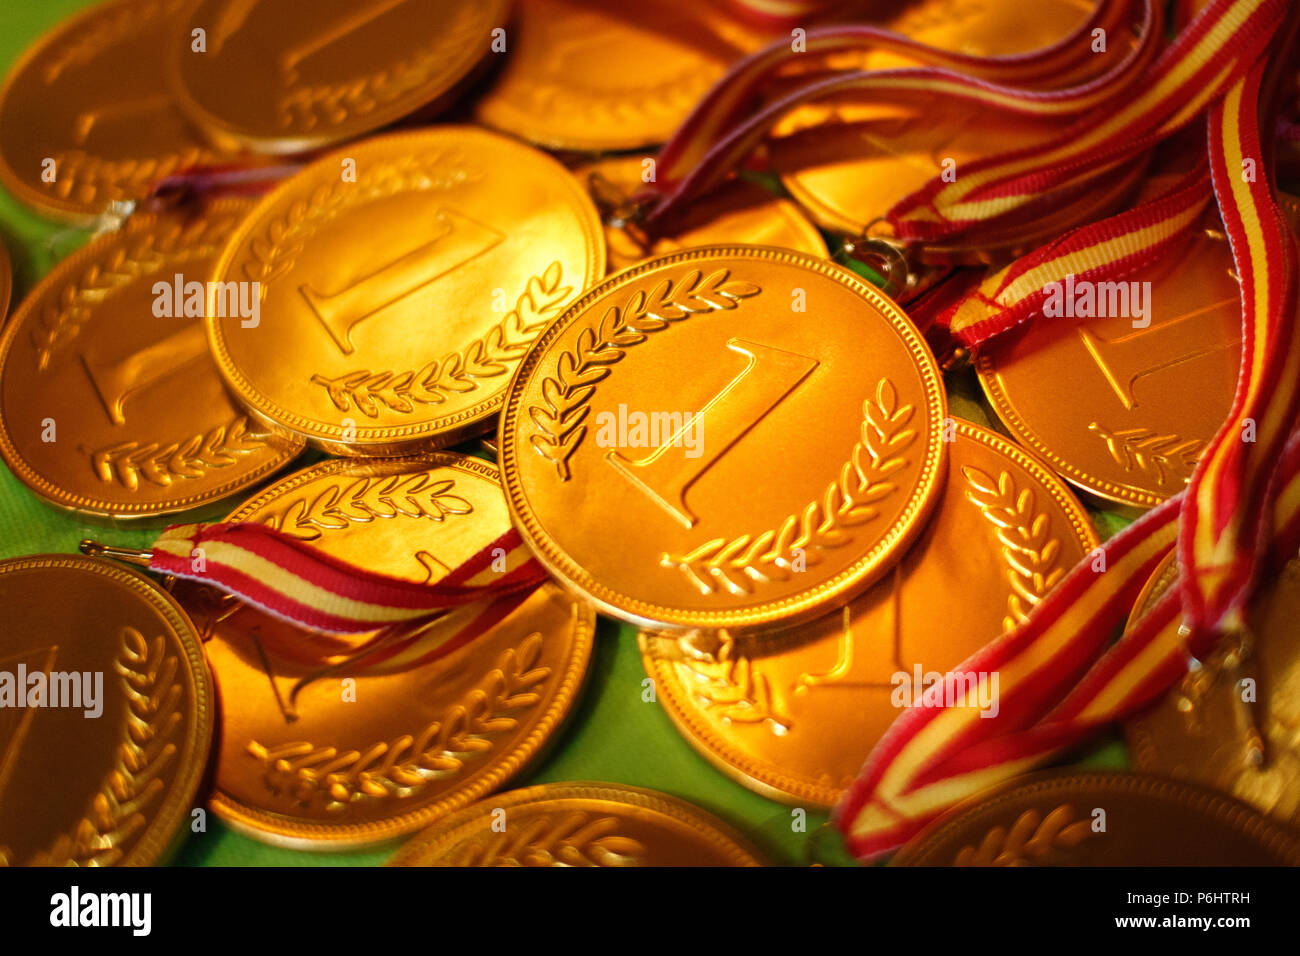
{"x":738,"y":564}
{"x":1147,"y":451}
{"x":406,"y":765}
{"x":1032,"y":838}
{"x":364,"y":500}
{"x":726,"y":684}
{"x":571,"y":839}
{"x":560,"y":419}
{"x":1031,"y":552}
{"x":306,"y":107}
{"x":116,"y":812}
{"x":65,"y":313}
{"x":458,"y":372}
{"x":220,"y":447}
{"x":274,"y":253}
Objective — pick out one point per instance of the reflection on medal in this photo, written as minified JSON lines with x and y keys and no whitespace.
{"x":1208,"y":725}
{"x":579,"y":824}
{"x":686,"y":448}
{"x":85,"y":117}
{"x":401,"y":280}
{"x":1063,"y":818}
{"x":105,"y":715}
{"x":793,"y":714}
{"x":735,"y":212}
{"x":326,"y":746}
{"x":109,"y":402}
{"x":276,"y":79}
{"x":618,"y":74}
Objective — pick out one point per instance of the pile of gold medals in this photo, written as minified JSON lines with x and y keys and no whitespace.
{"x":399,"y":309}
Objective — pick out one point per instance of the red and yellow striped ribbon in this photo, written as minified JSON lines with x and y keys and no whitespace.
{"x":1224,"y":40}
{"x":1104,"y":251}
{"x":1224,"y":526}
{"x":293,"y":581}
{"x":729,"y":122}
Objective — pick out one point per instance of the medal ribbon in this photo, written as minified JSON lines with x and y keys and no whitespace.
{"x":727,"y":125}
{"x":1114,"y":118}
{"x":302,"y":585}
{"x":1238,"y":518}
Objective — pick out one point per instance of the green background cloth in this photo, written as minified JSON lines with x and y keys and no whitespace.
{"x":612,"y":735}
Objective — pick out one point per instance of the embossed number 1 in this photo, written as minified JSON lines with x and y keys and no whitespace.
{"x":457,"y":239}
{"x":767,"y":378}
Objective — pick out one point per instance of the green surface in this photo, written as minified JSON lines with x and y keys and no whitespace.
{"x":613,"y":736}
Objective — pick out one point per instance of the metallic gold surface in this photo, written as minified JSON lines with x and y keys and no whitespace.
{"x":277,"y":76}
{"x":394,"y":307}
{"x":609,"y":74}
{"x":113,"y":787}
{"x":1123,"y":410}
{"x":803,"y":459}
{"x":364,"y":754}
{"x":1056,"y":819}
{"x":735,"y":212}
{"x":849,"y":160}
{"x":579,"y":824}
{"x":90,"y":98}
{"x":793,"y":714}
{"x":111,"y":409}
{"x":1203,"y":728}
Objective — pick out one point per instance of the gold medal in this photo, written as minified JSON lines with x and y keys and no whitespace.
{"x":1064,"y":818}
{"x":396,"y":303}
{"x":277,"y":78}
{"x":793,"y":714}
{"x":105,"y":715}
{"x":1122,"y":404}
{"x":1233,"y":723}
{"x":323,"y":749}
{"x":579,"y":824}
{"x":735,"y":212}
{"x":86,"y":117}
{"x":686,"y":447}
{"x":616,"y":75}
{"x":109,"y":402}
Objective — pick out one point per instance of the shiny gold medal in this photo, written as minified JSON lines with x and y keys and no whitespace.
{"x":614,"y":75}
{"x":276,"y":77}
{"x":793,"y":714}
{"x":724,"y":437}
{"x":400,"y":282}
{"x":1233,"y":723}
{"x":105,"y":715}
{"x":1066,"y":818}
{"x":579,"y":824}
{"x":735,"y":212}
{"x":109,"y":402}
{"x":325,"y":748}
{"x":1122,"y":405}
{"x":85,"y":116}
